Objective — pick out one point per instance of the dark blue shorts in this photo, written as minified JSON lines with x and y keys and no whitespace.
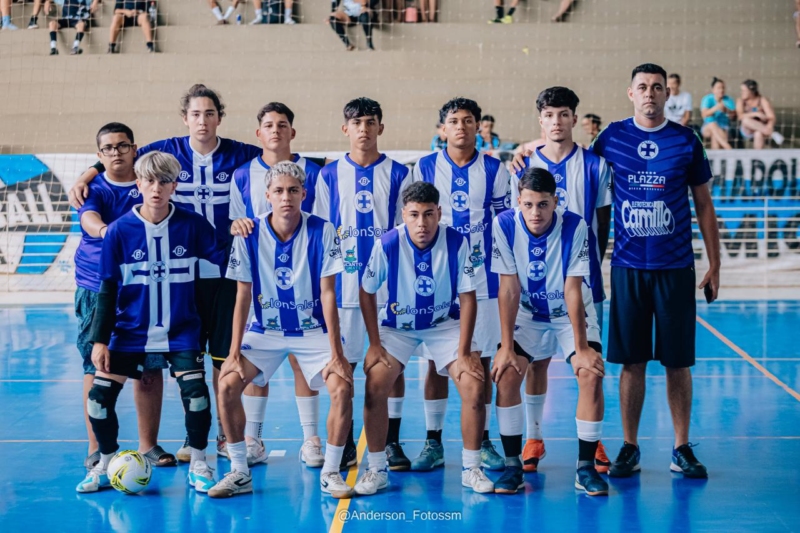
{"x":640,"y":296}
{"x":132,"y":364}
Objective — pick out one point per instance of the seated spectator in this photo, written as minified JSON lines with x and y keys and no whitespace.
{"x":500,"y":16}
{"x":487,"y":140}
{"x":679,"y":105}
{"x":217,"y":11}
{"x":439,"y":141}
{"x":128,"y":13}
{"x":717,"y":109}
{"x":756,"y":116}
{"x":5,"y":9}
{"x":797,"y":21}
{"x":352,"y":12}
{"x":74,"y":14}
{"x":427,"y":10}
{"x":591,"y":125}
{"x":563,"y":9}
{"x":37,"y":9}
{"x":272,"y":13}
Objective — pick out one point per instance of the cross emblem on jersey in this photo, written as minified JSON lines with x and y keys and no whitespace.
{"x":284,"y":278}
{"x":648,"y":149}
{"x":537,"y":270}
{"x":160,"y":272}
{"x":203,"y":193}
{"x":459,"y":200}
{"x":424,"y":286}
{"x":364,"y":202}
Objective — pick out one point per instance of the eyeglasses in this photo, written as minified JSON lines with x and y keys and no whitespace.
{"x":121,"y":148}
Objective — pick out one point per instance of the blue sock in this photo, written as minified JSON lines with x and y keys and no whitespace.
{"x":6,"y":20}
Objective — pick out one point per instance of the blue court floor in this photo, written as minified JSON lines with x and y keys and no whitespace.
{"x":746,"y":422}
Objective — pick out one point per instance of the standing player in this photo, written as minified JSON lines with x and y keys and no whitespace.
{"x":111,"y":195}
{"x":542,"y":256}
{"x":360,"y":195}
{"x":287,"y":269}
{"x":656,"y":161}
{"x":249,"y":200}
{"x":583,"y":181}
{"x":426,"y":267}
{"x":74,"y":14}
{"x":147,"y":305}
{"x":204,"y":184}
{"x":475,"y":187}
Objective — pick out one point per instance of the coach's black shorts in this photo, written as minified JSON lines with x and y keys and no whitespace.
{"x":131,"y":364}
{"x":216,"y":300}
{"x":638,"y":296}
{"x":596,"y":346}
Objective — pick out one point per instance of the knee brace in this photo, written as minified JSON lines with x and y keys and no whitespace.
{"x":101,"y":407}
{"x":197,"y":408}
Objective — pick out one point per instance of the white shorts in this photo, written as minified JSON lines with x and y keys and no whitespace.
{"x":352,"y":9}
{"x":441,"y":341}
{"x":486,"y":336}
{"x":541,"y":340}
{"x":354,"y":334}
{"x":267,"y":351}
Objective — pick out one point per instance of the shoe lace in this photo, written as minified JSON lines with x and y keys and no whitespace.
{"x":476,"y":474}
{"x":312,"y":447}
{"x":687,"y":452}
{"x":427,"y":450}
{"x":489,"y":447}
{"x":627,"y":452}
{"x":201,"y":468}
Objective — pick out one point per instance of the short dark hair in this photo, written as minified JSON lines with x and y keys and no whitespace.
{"x":538,"y":180}
{"x":114,"y":127}
{"x":752,"y":86}
{"x":487,"y":118}
{"x":457,"y":104}
{"x":276,"y":107}
{"x":594,"y":118}
{"x":421,"y":192}
{"x":557,"y":97}
{"x":362,"y":107}
{"x":649,"y":68}
{"x":676,"y":77}
{"x":715,"y":80}
{"x":198,"y":90}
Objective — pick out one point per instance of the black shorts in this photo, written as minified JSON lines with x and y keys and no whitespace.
{"x":639,"y":296}
{"x":137,"y":5}
{"x":216,"y":301}
{"x":596,"y":346}
{"x":70,"y":23}
{"x":131,"y":364}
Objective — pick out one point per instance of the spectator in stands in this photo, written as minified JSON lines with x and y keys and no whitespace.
{"x":352,"y":12}
{"x":37,"y":9}
{"x":427,"y":10}
{"x":217,"y":11}
{"x":74,"y":14}
{"x":128,"y":13}
{"x":487,"y":140}
{"x":500,"y":16}
{"x":439,"y":141}
{"x":563,"y":8}
{"x":5,"y":8}
{"x":591,"y":125}
{"x":756,"y":116}
{"x":272,"y":13}
{"x":797,"y":21}
{"x":679,"y":105}
{"x":717,"y":109}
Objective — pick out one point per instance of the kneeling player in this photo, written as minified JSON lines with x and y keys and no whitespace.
{"x":147,"y":305}
{"x":292,"y":258}
{"x":425,"y":266}
{"x":542,"y":256}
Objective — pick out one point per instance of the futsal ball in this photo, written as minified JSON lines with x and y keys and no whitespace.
{"x":129,"y":472}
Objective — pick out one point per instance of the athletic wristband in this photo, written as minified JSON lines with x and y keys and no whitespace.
{"x":99,"y":167}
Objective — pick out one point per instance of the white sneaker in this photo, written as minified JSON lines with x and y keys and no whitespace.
{"x":232,"y":484}
{"x":96,"y":478}
{"x":256,"y":21}
{"x":777,"y":137}
{"x":289,"y":21}
{"x":311,"y":453}
{"x":10,"y":26}
{"x":333,"y":484}
{"x":201,"y":477}
{"x":475,"y":479}
{"x":371,"y":482}
{"x":256,"y":452}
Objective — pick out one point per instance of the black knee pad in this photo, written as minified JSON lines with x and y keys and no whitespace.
{"x":101,"y":407}
{"x":197,"y":408}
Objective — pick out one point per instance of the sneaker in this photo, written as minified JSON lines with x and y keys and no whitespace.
{"x":54,"y":51}
{"x":311,"y":453}
{"x":349,"y":456}
{"x":95,"y":479}
{"x":496,"y":21}
{"x":371,"y":482}
{"x":184,"y":453}
{"x":475,"y":479}
{"x":684,"y":461}
{"x":232,"y":484}
{"x":222,"y":22}
{"x":587,"y":479}
{"x":10,"y":26}
{"x":777,"y":137}
{"x":396,"y":458}
{"x":508,"y":19}
{"x":431,"y":456}
{"x":256,"y":452}
{"x":32,"y":25}
{"x":627,"y":461}
{"x":91,"y":460}
{"x":289,"y":21}
{"x":490,"y":459}
{"x":256,"y":21}
{"x":510,"y":482}
{"x":222,"y":447}
{"x":333,"y":484}
{"x":201,"y":477}
{"x":532,"y":453}
{"x":601,"y":462}
{"x":76,"y":51}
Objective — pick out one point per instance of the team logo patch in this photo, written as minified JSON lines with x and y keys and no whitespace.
{"x":647,"y":150}
{"x":203,"y":193}
{"x":363,"y":181}
{"x":407,"y":326}
{"x":179,"y":251}
{"x":561,"y":194}
{"x":363,"y":202}
{"x":307,"y":323}
{"x":183,"y":176}
{"x":476,"y":257}
{"x":507,"y":201}
{"x":159,"y":271}
{"x":422,"y":267}
{"x":559,"y":178}
{"x":222,"y":176}
{"x":424,"y":286}
{"x":284,"y":278}
{"x":537,"y":270}
{"x":283,"y":258}
{"x":537,"y":251}
{"x":459,"y":201}
{"x":272,"y":323}
{"x":584,"y":253}
{"x":138,"y":255}
{"x":460,"y":182}
{"x":351,"y":264}
{"x":558,"y":312}
{"x":134,"y":193}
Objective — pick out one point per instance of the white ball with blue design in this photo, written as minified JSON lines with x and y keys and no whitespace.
{"x":129,"y":472}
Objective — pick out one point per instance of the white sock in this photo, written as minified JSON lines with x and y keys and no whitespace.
{"x":228,"y":12}
{"x":434,"y":414}
{"x":510,"y":420}
{"x":396,"y":407}
{"x":308,"y":408}
{"x":76,"y":43}
{"x":53,"y":44}
{"x":488,"y":417}
{"x":470,"y":458}
{"x":238,"y":454}
{"x":259,"y":13}
{"x":105,"y":458}
{"x":333,"y":458}
{"x":199,"y":455}
{"x":217,"y":12}
{"x":287,"y":14}
{"x":534,"y":411}
{"x":589,"y":431}
{"x":376,"y":461}
{"x":255,"y":407}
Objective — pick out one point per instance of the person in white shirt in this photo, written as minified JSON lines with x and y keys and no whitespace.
{"x":679,"y":105}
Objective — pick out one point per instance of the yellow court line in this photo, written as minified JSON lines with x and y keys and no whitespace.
{"x":352,"y":476}
{"x":749,"y":359}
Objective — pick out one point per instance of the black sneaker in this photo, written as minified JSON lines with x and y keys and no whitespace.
{"x":349,"y":456}
{"x":396,"y":458}
{"x":627,"y":462}
{"x":684,"y":461}
{"x":54,"y":51}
